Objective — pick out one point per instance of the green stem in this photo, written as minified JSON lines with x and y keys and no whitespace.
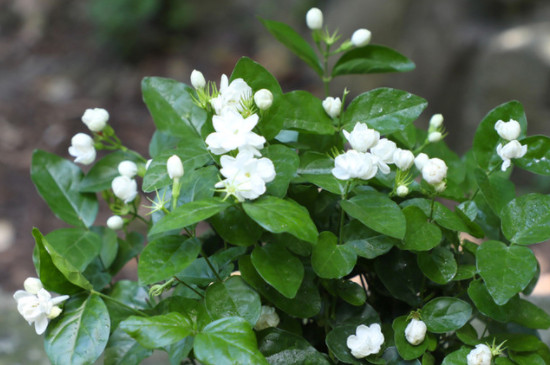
{"x":342,"y":214}
{"x":143,"y":314}
{"x":189,"y":286}
{"x":210,"y":265}
{"x":326,"y":76}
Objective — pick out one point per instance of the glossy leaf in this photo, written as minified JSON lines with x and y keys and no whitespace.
{"x":127,"y":250}
{"x":421,"y":235}
{"x":366,"y":242}
{"x":281,"y":347}
{"x":439,"y":265}
{"x":162,"y":141}
{"x":129,"y":296}
{"x":336,"y":342}
{"x":446,"y":314}
{"x":498,"y":191}
{"x":386,"y":110}
{"x":351,"y":292}
{"x":233,"y":297}
{"x":103,"y":172}
{"x":158,"y":331}
{"x":79,"y":246}
{"x":525,"y":219}
{"x":331,"y":260}
{"x":372,"y":59}
{"x":122,"y":349}
{"x":457,"y":357}
{"x":79,"y":335}
{"x":109,"y":244}
{"x":405,"y":349}
{"x":286,"y":162}
{"x":57,"y":181}
{"x":316,"y":168}
{"x":537,"y":158}
{"x":198,"y":184}
{"x":234,"y":226}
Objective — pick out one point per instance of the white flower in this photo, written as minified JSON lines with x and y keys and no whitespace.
{"x":124,"y":188}
{"x":403,"y":159}
{"x":115,"y":222}
{"x":512,"y":149}
{"x":263,"y":99}
{"x":39,"y":307}
{"x":367,"y":340}
{"x":383,"y":151}
{"x":434,"y":171}
{"x":481,"y":355}
{"x":362,"y":137}
{"x":415,"y":332}
{"x":509,"y":130}
{"x":231,"y":95}
{"x":353,"y":164}
{"x":420,"y":160}
{"x":232,"y":131}
{"x":436,"y":121}
{"x":435,"y":137}
{"x":95,"y":119}
{"x":402,"y":191}
{"x":268,"y":318}
{"x":82,"y":147}
{"x":361,"y":37}
{"x":314,"y":19}
{"x":32,"y":285}
{"x":197,"y":79}
{"x":332,"y":106}
{"x":245,"y":175}
{"x":174,"y":166}
{"x":127,"y":168}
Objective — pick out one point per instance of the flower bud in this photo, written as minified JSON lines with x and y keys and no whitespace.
{"x":403,"y":159}
{"x":332,"y":106}
{"x":82,"y":148}
{"x":314,"y":19}
{"x":95,"y":119}
{"x":512,"y":149}
{"x":434,"y":171}
{"x":268,"y":318}
{"x":127,"y":168}
{"x":366,"y":341}
{"x":402,"y":191}
{"x":115,"y":222}
{"x":54,"y":312}
{"x":440,"y":187}
{"x":420,"y":160}
{"x":197,"y":79}
{"x":174,"y":167}
{"x":508,"y":130}
{"x":362,"y":137}
{"x":481,"y":355}
{"x":361,"y":37}
{"x":124,"y":188}
{"x":436,"y":121}
{"x":415,"y":332}
{"x":33,"y":285}
{"x":263,"y":99}
{"x":435,"y":137}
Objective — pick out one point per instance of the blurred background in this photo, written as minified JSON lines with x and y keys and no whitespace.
{"x":60,"y":57}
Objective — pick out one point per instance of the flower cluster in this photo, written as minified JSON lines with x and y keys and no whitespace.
{"x":82,"y":145}
{"x":367,"y":340}
{"x":314,"y":21}
{"x":509,"y":131}
{"x":436,"y":132}
{"x":36,"y":304}
{"x":125,"y":186}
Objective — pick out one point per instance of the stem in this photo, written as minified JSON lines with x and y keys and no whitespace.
{"x":210,"y":265}
{"x":342,"y":214}
{"x":432,"y":208}
{"x":190,"y":287}
{"x":143,"y":314}
{"x":175,"y":193}
{"x":326,"y":78}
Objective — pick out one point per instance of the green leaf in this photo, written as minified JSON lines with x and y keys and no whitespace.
{"x":127,"y":250}
{"x":165,"y":257}
{"x":497,"y":190}
{"x":57,"y":181}
{"x":439,"y":265}
{"x":525,"y":219}
{"x":162,"y":141}
{"x":197,"y":185}
{"x":158,"y":331}
{"x":529,"y":315}
{"x":371,"y":59}
{"x":336,"y":342}
{"x":279,"y":268}
{"x":79,"y":335}
{"x":421,"y":235}
{"x":79,"y":246}
{"x":483,"y":301}
{"x":281,"y":347}
{"x":124,"y":350}
{"x":233,"y":297}
{"x":405,"y":349}
{"x":366,"y":242}
{"x":103,"y":172}
{"x":109,"y":244}
{"x":227,"y":341}
{"x":129,"y":296}
{"x":527,"y":359}
{"x":468,"y":335}
{"x":286,"y":162}
{"x":505,"y":270}
{"x":256,"y":76}
{"x":277,"y":215}
{"x":234,"y":226}
{"x":316,"y":168}
{"x":351,"y":292}
{"x":457,"y":357}
{"x":486,"y":138}
{"x":188,"y":214}
{"x":446,"y":314}
{"x":293,"y":41}
{"x":384,"y":109}
{"x":330,"y":260}
{"x":537,"y":158}
{"x":378,"y":212}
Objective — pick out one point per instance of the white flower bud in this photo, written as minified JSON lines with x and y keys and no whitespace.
{"x":263,"y":99}
{"x":420,"y":160}
{"x":95,"y":119}
{"x":148,"y":163}
{"x":314,"y":19}
{"x":127,"y":168}
{"x":367,"y":340}
{"x":268,"y":318}
{"x":509,"y":130}
{"x":197,"y":79}
{"x":82,"y":148}
{"x":362,"y":137}
{"x":174,"y":167}
{"x":481,"y":355}
{"x":415,"y":332}
{"x":361,"y":37}
{"x":436,"y":121}
{"x":124,"y":188}
{"x":33,"y":285}
{"x":440,"y":187}
{"x":435,"y":137}
{"x":434,"y":171}
{"x":115,"y":222}
{"x":332,"y":106}
{"x":512,"y":149}
{"x":54,"y":312}
{"x":402,"y":191}
{"x":403,"y":159}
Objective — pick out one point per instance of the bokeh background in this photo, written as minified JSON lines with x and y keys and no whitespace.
{"x":59,"y":57}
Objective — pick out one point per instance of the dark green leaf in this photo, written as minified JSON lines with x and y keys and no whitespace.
{"x":127,"y":250}
{"x":162,"y":141}
{"x":316,"y":168}
{"x":405,"y":349}
{"x":233,"y":297}
{"x":57,"y":181}
{"x":372,"y":59}
{"x":366,"y":242}
{"x":256,"y":76}
{"x":421,"y":235}
{"x":234,"y":226}
{"x":198,"y":184}
{"x":131,"y":295}
{"x":468,"y":335}
{"x":286,"y":163}
{"x":331,"y":260}
{"x":180,"y":350}
{"x":525,"y":219}
{"x":351,"y":292}
{"x":537,"y":158}
{"x":457,"y":357}
{"x":281,"y":347}
{"x":497,"y":190}
{"x":527,"y":359}
{"x":109,"y":244}
{"x":336,"y":342}
{"x":446,"y":314}
{"x":79,"y":246}
{"x":103,"y":172}
{"x":158,"y":331}
{"x":124,"y":350}
{"x":439,"y":265}
{"x":479,"y":294}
